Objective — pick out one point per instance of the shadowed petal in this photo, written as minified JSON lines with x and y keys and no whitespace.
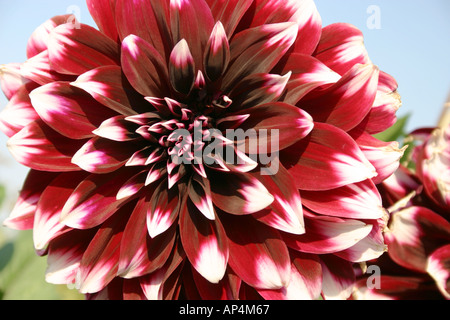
{"x":217,"y":53}
{"x":182,"y":68}
{"x":229,"y":13}
{"x":239,"y":194}
{"x":100,"y":155}
{"x":338,"y":278}
{"x":437,"y":267}
{"x":144,"y":67}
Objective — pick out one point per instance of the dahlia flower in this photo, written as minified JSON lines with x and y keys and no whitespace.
{"x":201,"y":149}
{"x":417,"y":265}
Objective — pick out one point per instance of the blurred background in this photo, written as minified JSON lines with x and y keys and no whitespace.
{"x":409,"y":39}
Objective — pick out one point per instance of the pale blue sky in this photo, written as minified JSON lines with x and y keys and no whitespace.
{"x":411,"y":42}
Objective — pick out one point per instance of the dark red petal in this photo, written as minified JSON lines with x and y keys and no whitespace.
{"x":41,"y":148}
{"x":164,"y":209}
{"x":258,"y":50}
{"x":438,"y":268}
{"x":305,"y":282}
{"x":148,"y":20}
{"x":182,"y":68}
{"x":191,"y":20}
{"x":94,"y":200}
{"x":257,"y":253}
{"x":329,"y":158}
{"x":38,"y":69}
{"x":275,"y":125}
{"x":64,"y":255}
{"x":117,"y":129}
{"x":68,"y":110}
{"x":229,"y":13}
{"x":77,"y":50}
{"x":226,"y":289}
{"x":259,"y":88}
{"x":217,"y":53}
{"x":103,"y":12}
{"x":341,"y":46}
{"x":204,"y":242}
{"x":144,"y":67}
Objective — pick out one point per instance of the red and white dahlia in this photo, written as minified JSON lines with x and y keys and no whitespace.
{"x":201,"y":149}
{"x":417,"y":265}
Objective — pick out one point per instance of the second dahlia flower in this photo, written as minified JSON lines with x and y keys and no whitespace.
{"x":417,"y":265}
{"x":201,"y":149}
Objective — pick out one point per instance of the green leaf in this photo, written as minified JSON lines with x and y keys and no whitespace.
{"x":396,"y":132}
{"x":22,"y":273}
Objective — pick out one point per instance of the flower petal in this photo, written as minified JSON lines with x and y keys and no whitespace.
{"x":68,"y":110}
{"x":77,"y":50}
{"x":182,"y":68}
{"x":204,"y":242}
{"x":229,"y":13}
{"x":144,"y":67}
{"x":338,"y":278}
{"x":217,"y":53}
{"x":200,"y":195}
{"x":257,"y":253}
{"x":93,"y":201}
{"x":164,"y":209}
{"x":258,"y":50}
{"x":280,"y":123}
{"x":39,"y":147}
{"x":341,"y":46}
{"x":109,"y":87}
{"x":11,"y":79}
{"x":328,"y":234}
{"x":147,"y":20}
{"x":285,"y":213}
{"x":191,"y":20}
{"x":358,"y":201}
{"x":103,"y":13}
{"x":329,"y":158}
{"x":414,"y":233}
{"x":438,"y":268}
{"x":38,"y":41}
{"x":22,"y":215}
{"x":19,"y":111}
{"x":100,"y":155}
{"x":47,"y":223}
{"x":100,"y":261}
{"x":139,"y":254}
{"x":348,"y":101}
{"x":239,"y":194}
